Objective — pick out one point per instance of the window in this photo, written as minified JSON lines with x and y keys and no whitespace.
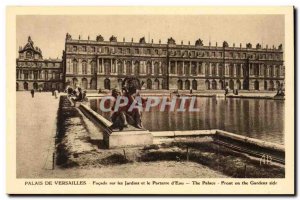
{"x":25,"y":75}
{"x":106,"y":50}
{"x":28,"y":54}
{"x":119,"y":50}
{"x":128,"y":51}
{"x":74,"y":48}
{"x":84,"y":48}
{"x":92,"y":49}
{"x":148,"y":51}
{"x":136,"y":51}
{"x":84,"y":67}
{"x":75,"y":67}
{"x":156,"y":51}
{"x":35,"y":75}
{"x":213,"y":54}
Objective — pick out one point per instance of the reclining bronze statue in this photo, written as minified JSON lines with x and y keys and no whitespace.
{"x":123,"y":116}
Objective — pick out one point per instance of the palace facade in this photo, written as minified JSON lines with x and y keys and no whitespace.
{"x":99,"y":64}
{"x":94,"y":64}
{"x":34,"y":72}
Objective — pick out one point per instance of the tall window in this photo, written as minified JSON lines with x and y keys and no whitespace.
{"x":35,"y":75}
{"x":25,"y":75}
{"x":120,"y":68}
{"x":84,"y":67}
{"x":93,"y":67}
{"x":107,"y":67}
{"x":173,"y":68}
{"x":149,"y":68}
{"x":75,"y":67}
{"x":128,"y":67}
{"x":46,"y":75}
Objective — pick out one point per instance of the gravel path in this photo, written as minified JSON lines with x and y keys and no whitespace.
{"x":36,"y":128}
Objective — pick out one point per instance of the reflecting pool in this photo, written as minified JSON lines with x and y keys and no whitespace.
{"x":257,"y":118}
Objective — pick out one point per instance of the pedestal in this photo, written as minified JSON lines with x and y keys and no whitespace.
{"x":127,"y":138}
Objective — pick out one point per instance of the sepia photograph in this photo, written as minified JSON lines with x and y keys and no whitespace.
{"x":198,"y":99}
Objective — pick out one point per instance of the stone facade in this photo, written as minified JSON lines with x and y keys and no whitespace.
{"x":99,"y":64}
{"x":94,"y":64}
{"x":34,"y":72}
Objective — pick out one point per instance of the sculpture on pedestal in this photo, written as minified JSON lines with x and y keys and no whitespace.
{"x":123,"y":115}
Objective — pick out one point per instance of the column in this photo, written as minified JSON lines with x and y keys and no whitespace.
{"x":152,"y":67}
{"x":111,"y":66}
{"x":190,"y":70}
{"x":102,"y":66}
{"x":124,"y":67}
{"x":116,"y":66}
{"x":97,"y":67}
{"x":183,"y":68}
{"x":176,"y":68}
{"x":234,"y":70}
{"x":79,"y":66}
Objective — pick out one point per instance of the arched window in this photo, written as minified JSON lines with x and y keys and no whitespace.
{"x":93,"y":67}
{"x":194,"y":85}
{"x":179,"y":85}
{"x":256,"y":85}
{"x":173,"y":69}
{"x":107,"y":84}
{"x":149,"y":68}
{"x":137,"y":68}
{"x":206,"y":69}
{"x":231,"y":84}
{"x":231,"y":70}
{"x":84,"y":83}
{"x":187,"y":68}
{"x":187,"y":85}
{"x":220,"y":70}
{"x":207,"y":84}
{"x":156,"y":68}
{"x":213,"y":69}
{"x":180,"y":68}
{"x":84,"y":67}
{"x":120,"y":67}
{"x":107,"y":67}
{"x":156,"y":84}
{"x":128,"y":67}
{"x":194,"y":69}
{"x":149,"y":84}
{"x":214,"y":84}
{"x":75,"y":67}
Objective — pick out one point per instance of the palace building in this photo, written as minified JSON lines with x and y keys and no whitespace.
{"x":99,"y":64}
{"x":34,"y":72}
{"x":94,"y":64}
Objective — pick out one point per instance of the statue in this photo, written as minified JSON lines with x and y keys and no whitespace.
{"x":142,"y":40}
{"x":113,"y":39}
{"x":258,"y":46}
{"x":249,"y":45}
{"x":171,"y":41}
{"x":123,"y":116}
{"x":99,"y":38}
{"x":225,"y":44}
{"x":280,"y":47}
{"x":68,"y":36}
{"x":199,"y":42}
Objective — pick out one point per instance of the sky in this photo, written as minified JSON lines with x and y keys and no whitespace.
{"x":48,"y":32}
